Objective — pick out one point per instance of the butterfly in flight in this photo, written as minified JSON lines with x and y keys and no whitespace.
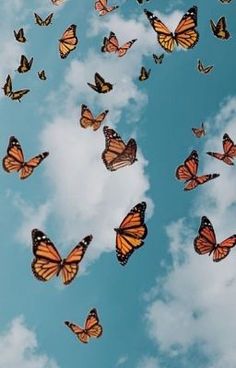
{"x":101,"y":86}
{"x":206,"y":242}
{"x":199,"y":132}
{"x":185,"y":34}
{"x":188,"y":172}
{"x":25,"y":64}
{"x":88,"y":120}
{"x":48,"y":262}
{"x":45,"y":22}
{"x":229,"y":149}
{"x":42,"y":75}
{"x":68,"y":41}
{"x":92,"y":328}
{"x":144,"y":74}
{"x":57,"y":2}
{"x":158,"y":59}
{"x":204,"y":69}
{"x":16,"y":95}
{"x":19,"y":36}
{"x":117,"y":154}
{"x":102,"y":7}
{"x":111,"y":44}
{"x":220,"y":29}
{"x":131,"y":232}
{"x":225,"y":1}
{"x":141,"y":1}
{"x":14,"y":160}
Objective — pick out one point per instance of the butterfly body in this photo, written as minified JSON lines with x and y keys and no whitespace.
{"x":101,"y":86}
{"x":229,"y":151}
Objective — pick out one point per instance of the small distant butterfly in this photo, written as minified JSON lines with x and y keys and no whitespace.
{"x":111,"y":44}
{"x":45,"y":22}
{"x":42,"y":75}
{"x":14,"y":160}
{"x":188,"y":172}
{"x":57,"y":2}
{"x":48,"y":262}
{"x":206,"y":242}
{"x":229,"y":151}
{"x":204,"y":69}
{"x":102,"y":7}
{"x":141,"y":1}
{"x":101,"y":86}
{"x":68,"y":41}
{"x":220,"y":29}
{"x":117,"y":154}
{"x":131,"y":232}
{"x":25,"y":64}
{"x":19,"y":36}
{"x":158,"y":59}
{"x":199,"y":132}
{"x":88,"y":120}
{"x":92,"y":327}
{"x":185,"y":34}
{"x":16,"y":95}
{"x":225,"y":1}
{"x":144,"y":74}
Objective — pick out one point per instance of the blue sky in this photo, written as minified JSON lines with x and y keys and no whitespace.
{"x":164,"y":309}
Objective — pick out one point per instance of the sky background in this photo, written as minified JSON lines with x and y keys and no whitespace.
{"x":168,"y":307}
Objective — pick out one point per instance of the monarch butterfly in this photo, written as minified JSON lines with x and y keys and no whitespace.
{"x":42,"y":75}
{"x":92,"y":327}
{"x":48,"y":262}
{"x":68,"y":41}
{"x":88,"y":120}
{"x":204,"y":69}
{"x":185,"y":34}
{"x":220,"y":29}
{"x":144,"y":74}
{"x":188,"y":172}
{"x":16,"y":95}
{"x":102,"y":8}
{"x":205,"y":242}
{"x":19,"y":36}
{"x":158,"y":59}
{"x":101,"y":86}
{"x":14,"y":160}
{"x":199,"y":132}
{"x":25,"y":64}
{"x":117,"y":154}
{"x":131,"y":232}
{"x":229,"y":151}
{"x":45,"y":22}
{"x":57,"y":2}
{"x":111,"y":44}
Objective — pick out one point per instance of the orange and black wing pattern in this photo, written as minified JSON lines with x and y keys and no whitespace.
{"x":199,"y":132}
{"x":220,"y":29}
{"x":19,"y":36}
{"x":45,"y":22}
{"x":25,"y":64}
{"x":68,"y":41}
{"x":144,"y":74}
{"x":204,"y":69}
{"x":229,"y":151}
{"x":102,"y":7}
{"x":88,"y":120}
{"x":111,"y":44}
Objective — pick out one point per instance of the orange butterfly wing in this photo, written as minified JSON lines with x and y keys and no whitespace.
{"x":185,"y":33}
{"x":14,"y":159}
{"x":102,"y":8}
{"x":68,"y":41}
{"x":87,"y":119}
{"x":199,"y":132}
{"x":229,"y":151}
{"x":110,"y":44}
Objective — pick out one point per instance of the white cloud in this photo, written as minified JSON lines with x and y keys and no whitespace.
{"x":122,"y":360}
{"x":148,"y":362}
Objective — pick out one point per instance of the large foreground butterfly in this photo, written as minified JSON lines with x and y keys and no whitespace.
{"x":185,"y":34}
{"x":102,"y":7}
{"x":19,"y":36}
{"x":117,"y":154}
{"x":25,"y":64}
{"x":14,"y":95}
{"x":199,"y":132}
{"x":101,"y":86}
{"x":220,"y":29}
{"x":14,"y":160}
{"x":68,"y":41}
{"x":229,"y":151}
{"x":88,"y":120}
{"x":188,"y":172}
{"x":45,"y":22}
{"x":111,"y":44}
{"x":204,"y":69}
{"x":92,"y":328}
{"x":131,"y":232}
{"x":48,"y":262}
{"x":205,"y":242}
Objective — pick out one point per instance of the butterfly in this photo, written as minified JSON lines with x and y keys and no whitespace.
{"x":100,"y":85}
{"x":16,"y":95}
{"x":204,"y":69}
{"x":57,"y":2}
{"x":25,"y":64}
{"x":19,"y":36}
{"x":205,"y":242}
{"x":158,"y":59}
{"x":111,"y":44}
{"x":131,"y":232}
{"x":219,"y":29}
{"x":144,"y":74}
{"x":88,"y":120}
{"x":48,"y":262}
{"x":225,"y":1}
{"x":92,"y":327}
{"x":141,"y":1}
{"x":229,"y":151}
{"x":199,"y":132}
{"x":14,"y":160}
{"x":117,"y":154}
{"x":68,"y":41}
{"x":45,"y":22}
{"x":185,"y":34}
{"x":188,"y":172}
{"x":102,"y":8}
{"x":42,"y":75}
